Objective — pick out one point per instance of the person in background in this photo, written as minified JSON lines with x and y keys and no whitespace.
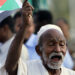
{"x":63,"y":24}
{"x":18,"y":22}
{"x":29,"y":37}
{"x":6,"y":37}
{"x":41,"y":18}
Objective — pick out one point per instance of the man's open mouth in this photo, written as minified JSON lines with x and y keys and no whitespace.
{"x":56,"y":58}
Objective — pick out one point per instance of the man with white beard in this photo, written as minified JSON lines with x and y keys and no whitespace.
{"x":51,"y":47}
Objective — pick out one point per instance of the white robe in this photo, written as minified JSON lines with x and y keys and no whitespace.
{"x":22,"y":69}
{"x":37,"y":68}
{"x":4,"y":48}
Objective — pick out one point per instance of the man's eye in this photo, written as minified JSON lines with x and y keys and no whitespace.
{"x":62,"y":44}
{"x":51,"y":44}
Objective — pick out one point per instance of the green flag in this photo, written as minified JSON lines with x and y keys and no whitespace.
{"x":10,"y":4}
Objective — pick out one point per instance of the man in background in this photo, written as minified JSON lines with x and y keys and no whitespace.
{"x":63,"y":24}
{"x":6,"y":37}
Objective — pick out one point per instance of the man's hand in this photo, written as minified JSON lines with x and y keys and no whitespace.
{"x":11,"y":64}
{"x":26,"y":12}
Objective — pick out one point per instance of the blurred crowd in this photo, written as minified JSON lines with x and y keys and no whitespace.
{"x":10,"y":25}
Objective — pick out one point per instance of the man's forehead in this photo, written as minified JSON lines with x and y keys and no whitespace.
{"x":53,"y":34}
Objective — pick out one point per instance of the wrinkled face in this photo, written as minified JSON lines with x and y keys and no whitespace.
{"x":53,"y":48}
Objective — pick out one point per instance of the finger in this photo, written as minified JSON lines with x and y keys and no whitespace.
{"x":27,"y":13}
{"x":24,"y":3}
{"x":27,"y":7}
{"x":32,"y":8}
{"x":28,"y":4}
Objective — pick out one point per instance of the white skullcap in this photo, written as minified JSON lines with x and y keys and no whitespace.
{"x":47,"y":27}
{"x":5,"y":14}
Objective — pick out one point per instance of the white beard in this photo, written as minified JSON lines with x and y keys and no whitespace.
{"x":50,"y":64}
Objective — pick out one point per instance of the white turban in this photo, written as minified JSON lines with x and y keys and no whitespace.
{"x":5,"y":14}
{"x":47,"y":27}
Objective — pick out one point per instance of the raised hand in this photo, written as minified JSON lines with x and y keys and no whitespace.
{"x":26,"y":12}
{"x":11,"y":64}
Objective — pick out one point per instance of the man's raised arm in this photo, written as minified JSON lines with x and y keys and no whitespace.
{"x":15,"y":48}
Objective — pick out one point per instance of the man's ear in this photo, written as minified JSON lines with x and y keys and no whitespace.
{"x":39,"y":52}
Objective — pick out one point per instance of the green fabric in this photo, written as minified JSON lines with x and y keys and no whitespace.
{"x":35,"y":4}
{"x":9,"y":5}
{"x":43,"y":4}
{"x":39,"y":4}
{"x":30,"y":1}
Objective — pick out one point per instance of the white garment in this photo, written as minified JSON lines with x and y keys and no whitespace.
{"x":34,"y":68}
{"x":22,"y":70}
{"x":37,"y":68}
{"x":4,"y":51}
{"x":3,"y":71}
{"x":0,"y":44}
{"x":69,"y":63}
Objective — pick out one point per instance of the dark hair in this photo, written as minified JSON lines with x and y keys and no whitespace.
{"x":18,"y":14}
{"x":8,"y":21}
{"x":42,"y":17}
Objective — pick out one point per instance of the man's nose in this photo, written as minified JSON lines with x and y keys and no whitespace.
{"x":57,"y":48}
